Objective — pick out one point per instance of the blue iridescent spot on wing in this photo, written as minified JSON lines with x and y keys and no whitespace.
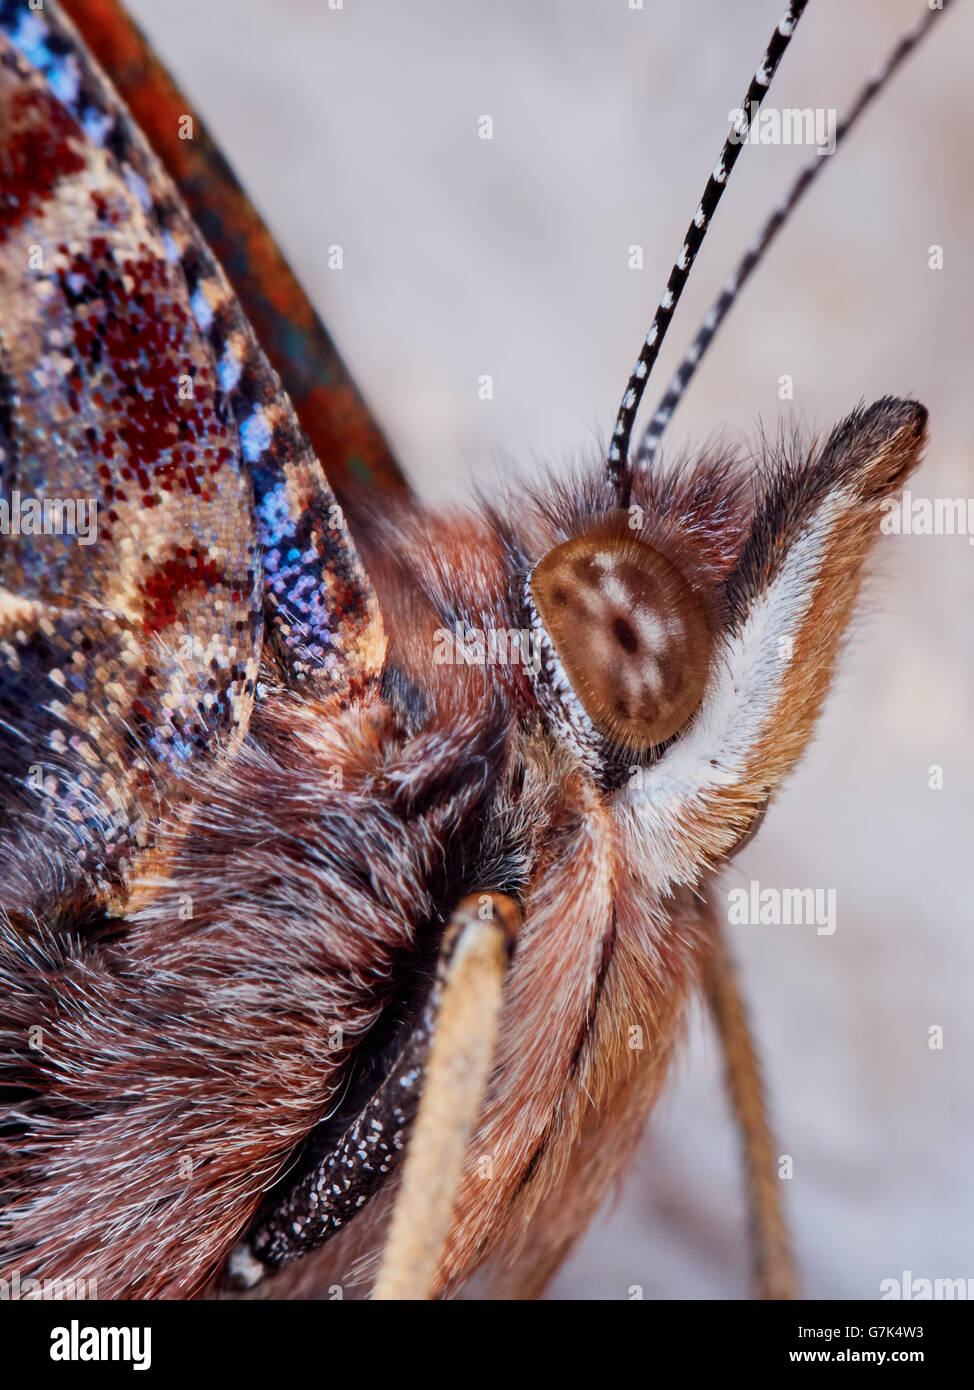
{"x":255,"y":435}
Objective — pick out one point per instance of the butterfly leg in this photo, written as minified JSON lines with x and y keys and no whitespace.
{"x":774,"y":1271}
{"x":475,"y":953}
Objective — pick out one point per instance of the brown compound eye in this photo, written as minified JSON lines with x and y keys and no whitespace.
{"x":629,"y":632}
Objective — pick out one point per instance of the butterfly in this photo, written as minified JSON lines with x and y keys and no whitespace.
{"x":335,"y":832}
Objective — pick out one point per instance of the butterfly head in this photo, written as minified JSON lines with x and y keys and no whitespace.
{"x":686,"y":646}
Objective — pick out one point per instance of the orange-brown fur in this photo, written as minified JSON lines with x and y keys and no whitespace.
{"x":184,"y":1057}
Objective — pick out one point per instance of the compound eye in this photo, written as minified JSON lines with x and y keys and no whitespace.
{"x":629,"y":632}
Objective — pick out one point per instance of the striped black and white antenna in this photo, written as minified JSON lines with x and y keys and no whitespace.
{"x":724,"y":302}
{"x":618,"y":465}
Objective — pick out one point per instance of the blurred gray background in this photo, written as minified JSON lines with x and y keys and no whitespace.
{"x":359,"y":126}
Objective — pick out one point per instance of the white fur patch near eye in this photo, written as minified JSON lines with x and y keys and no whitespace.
{"x":739,"y":704}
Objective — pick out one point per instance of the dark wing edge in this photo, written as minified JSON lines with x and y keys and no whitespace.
{"x":343,"y":432}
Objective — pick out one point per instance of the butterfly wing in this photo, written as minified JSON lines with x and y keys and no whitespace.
{"x":133,"y":391}
{"x":331,"y":410}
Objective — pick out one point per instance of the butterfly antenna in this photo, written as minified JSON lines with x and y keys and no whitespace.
{"x":719,"y":310}
{"x":619,"y":471}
